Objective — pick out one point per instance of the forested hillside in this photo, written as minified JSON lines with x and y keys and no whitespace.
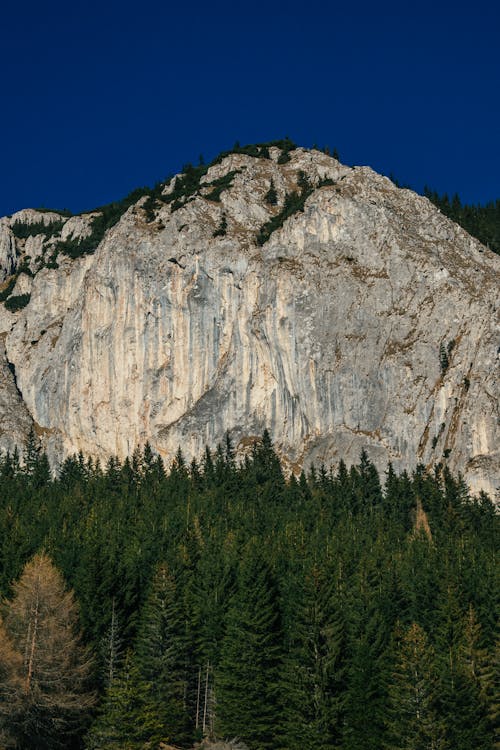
{"x":337,"y":610}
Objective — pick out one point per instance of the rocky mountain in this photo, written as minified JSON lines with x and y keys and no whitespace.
{"x":279,"y":289}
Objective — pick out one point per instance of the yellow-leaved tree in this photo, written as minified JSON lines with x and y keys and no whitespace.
{"x":44,"y":669}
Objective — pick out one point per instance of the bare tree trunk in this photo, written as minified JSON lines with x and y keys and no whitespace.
{"x":206,"y":699}
{"x":32,"y":637}
{"x":112,"y":645}
{"x":198,"y":699}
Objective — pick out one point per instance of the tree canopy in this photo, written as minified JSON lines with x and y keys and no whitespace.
{"x":338,"y":609}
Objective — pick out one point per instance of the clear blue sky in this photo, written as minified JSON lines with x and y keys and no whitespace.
{"x":99,"y":98}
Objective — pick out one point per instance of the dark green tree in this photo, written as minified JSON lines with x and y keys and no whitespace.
{"x":247,"y":680}
{"x":163,"y":655}
{"x":461,"y":700}
{"x":413,"y":722}
{"x":271,"y":196}
{"x":128,"y":719}
{"x":314,"y":674}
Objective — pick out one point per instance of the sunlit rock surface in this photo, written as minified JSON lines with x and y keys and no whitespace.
{"x":329,"y":334}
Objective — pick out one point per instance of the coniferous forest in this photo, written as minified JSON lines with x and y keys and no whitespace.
{"x":482,"y":222}
{"x":340,"y":609}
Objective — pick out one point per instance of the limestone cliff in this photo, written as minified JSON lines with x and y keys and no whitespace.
{"x":366,"y":320}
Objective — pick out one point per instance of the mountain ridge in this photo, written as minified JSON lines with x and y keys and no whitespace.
{"x":331,"y":332}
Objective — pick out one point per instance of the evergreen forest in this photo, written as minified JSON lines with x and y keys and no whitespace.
{"x":341,"y":609}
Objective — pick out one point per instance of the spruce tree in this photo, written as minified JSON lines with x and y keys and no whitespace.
{"x":111,"y":648}
{"x":247,"y":680}
{"x":32,"y":452}
{"x":163,"y":656}
{"x":481,"y":667}
{"x":461,"y":700}
{"x":314,"y":674}
{"x":128,"y":719}
{"x":365,"y":697}
{"x":413,"y":722}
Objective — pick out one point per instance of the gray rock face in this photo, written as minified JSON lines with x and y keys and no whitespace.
{"x":329,"y":334}
{"x":15,"y":421}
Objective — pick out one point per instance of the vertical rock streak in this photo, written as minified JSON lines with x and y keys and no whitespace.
{"x":329,"y":334}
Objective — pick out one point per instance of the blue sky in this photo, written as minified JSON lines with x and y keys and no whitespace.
{"x":99,"y":98}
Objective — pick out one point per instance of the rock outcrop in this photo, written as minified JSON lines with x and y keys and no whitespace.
{"x":367,"y":320}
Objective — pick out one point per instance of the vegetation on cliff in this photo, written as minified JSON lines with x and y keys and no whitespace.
{"x":223,"y":599}
{"x":24,"y":229}
{"x":482,"y":222}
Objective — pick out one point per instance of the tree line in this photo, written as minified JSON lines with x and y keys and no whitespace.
{"x":338,"y":609}
{"x":481,"y":221}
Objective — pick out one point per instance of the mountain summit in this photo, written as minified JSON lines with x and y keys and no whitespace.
{"x":275,"y":288}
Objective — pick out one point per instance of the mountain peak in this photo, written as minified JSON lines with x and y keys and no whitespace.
{"x":274,"y":288}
